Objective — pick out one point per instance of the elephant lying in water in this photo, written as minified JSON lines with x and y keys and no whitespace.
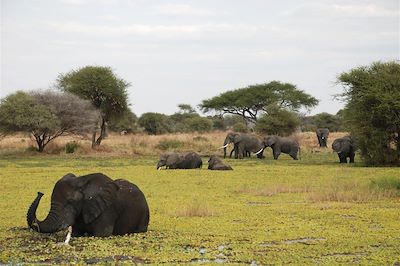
{"x":215,"y":163}
{"x":93,"y":205}
{"x":174,"y":160}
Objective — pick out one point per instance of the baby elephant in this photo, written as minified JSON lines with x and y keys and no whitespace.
{"x":216,"y":163}
{"x":174,"y":160}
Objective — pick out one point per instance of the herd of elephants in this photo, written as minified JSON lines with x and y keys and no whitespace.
{"x":96,"y":205}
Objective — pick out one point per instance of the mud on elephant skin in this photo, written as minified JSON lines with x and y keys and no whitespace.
{"x":215,"y":163}
{"x":243,"y":144}
{"x":175,"y":160}
{"x":93,"y":205}
{"x":345,"y":148}
{"x":280,"y":145}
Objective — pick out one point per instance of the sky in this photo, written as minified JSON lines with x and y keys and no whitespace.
{"x":175,"y":52}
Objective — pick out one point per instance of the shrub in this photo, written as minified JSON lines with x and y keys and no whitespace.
{"x":169,"y":144}
{"x":71,"y":147}
{"x":278,"y":122}
{"x":239,"y":127}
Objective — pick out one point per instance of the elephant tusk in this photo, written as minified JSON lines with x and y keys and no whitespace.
{"x":259,"y":151}
{"x":159,"y":168}
{"x":68,"y":238}
{"x":223,"y":147}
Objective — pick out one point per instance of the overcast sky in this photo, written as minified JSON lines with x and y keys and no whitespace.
{"x":176,"y":52}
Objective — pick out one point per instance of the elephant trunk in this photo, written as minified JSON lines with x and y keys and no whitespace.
{"x":50,"y":224}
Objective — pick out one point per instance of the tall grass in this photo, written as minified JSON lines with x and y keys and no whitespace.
{"x":143,"y":144}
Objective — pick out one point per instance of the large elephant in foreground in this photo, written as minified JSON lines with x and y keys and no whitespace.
{"x":345,"y":148}
{"x":322,"y":135}
{"x":244,"y":143}
{"x":93,"y":205}
{"x":174,"y":160}
{"x":279,"y":144}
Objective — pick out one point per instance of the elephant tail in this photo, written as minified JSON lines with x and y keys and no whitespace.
{"x":299,"y":153}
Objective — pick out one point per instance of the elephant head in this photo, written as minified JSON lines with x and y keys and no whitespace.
{"x":269,"y":141}
{"x":68,"y":201}
{"x":322,"y":135}
{"x":231,"y":137}
{"x":167,"y":158}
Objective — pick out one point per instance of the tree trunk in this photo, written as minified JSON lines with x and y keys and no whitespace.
{"x":103,"y":127}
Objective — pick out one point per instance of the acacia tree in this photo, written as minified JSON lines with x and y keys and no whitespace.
{"x":46,"y":115}
{"x":103,"y":88}
{"x":254,"y":100}
{"x":372,"y":111}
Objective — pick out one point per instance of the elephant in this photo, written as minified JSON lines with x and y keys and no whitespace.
{"x":243,"y":143}
{"x":215,"y":163}
{"x":279,"y":144}
{"x":94,"y":205}
{"x":174,"y":160}
{"x":345,"y":148}
{"x":322,"y":135}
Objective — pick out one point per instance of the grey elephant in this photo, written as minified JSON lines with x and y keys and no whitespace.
{"x":174,"y":160}
{"x":345,"y":148}
{"x":93,"y":205}
{"x":279,"y":144}
{"x":322,"y":136}
{"x":215,"y":163}
{"x":244,"y":143}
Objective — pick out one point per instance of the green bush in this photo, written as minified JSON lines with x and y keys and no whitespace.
{"x":278,"y":122}
{"x":239,"y":127}
{"x":169,"y":144}
{"x":71,"y":147}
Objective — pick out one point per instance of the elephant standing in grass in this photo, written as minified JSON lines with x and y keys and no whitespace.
{"x":215,"y":163}
{"x":93,"y":205}
{"x":279,"y":144}
{"x":322,"y":135}
{"x":174,"y":160}
{"x":345,"y":148}
{"x":244,"y":143}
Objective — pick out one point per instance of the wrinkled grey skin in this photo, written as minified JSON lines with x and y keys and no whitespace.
{"x":215,"y":163}
{"x":93,"y":205}
{"x":286,"y":145}
{"x":345,"y":148}
{"x":322,"y":135}
{"x":174,"y":160}
{"x":244,"y":143}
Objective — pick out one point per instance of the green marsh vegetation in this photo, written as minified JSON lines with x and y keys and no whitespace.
{"x":311,"y":211}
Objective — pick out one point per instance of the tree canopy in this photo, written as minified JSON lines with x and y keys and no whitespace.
{"x":372,"y":111}
{"x":254,"y":100}
{"x":103,"y":88}
{"x":46,"y":115}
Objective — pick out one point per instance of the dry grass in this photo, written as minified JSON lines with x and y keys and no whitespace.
{"x":142,"y":144}
{"x":272,"y":190}
{"x":194,"y":210}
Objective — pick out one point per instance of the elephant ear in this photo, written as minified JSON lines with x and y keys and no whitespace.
{"x":237,"y":138}
{"x":93,"y":206}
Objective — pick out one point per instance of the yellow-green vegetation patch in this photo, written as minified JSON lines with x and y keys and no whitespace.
{"x":311,"y":211}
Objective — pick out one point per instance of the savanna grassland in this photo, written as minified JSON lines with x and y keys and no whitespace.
{"x":311,"y":211}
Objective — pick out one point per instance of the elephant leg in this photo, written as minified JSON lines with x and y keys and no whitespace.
{"x":342,"y":158}
{"x":230,"y":155}
{"x":351,"y":156}
{"x":293,"y":155}
{"x":276,"y":153}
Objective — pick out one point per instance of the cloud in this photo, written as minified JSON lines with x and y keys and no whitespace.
{"x":160,"y":30}
{"x":367,"y":10}
{"x":181,"y":9}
